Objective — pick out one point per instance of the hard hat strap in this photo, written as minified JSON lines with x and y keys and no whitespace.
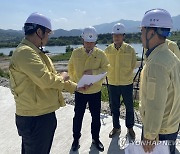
{"x":41,"y":48}
{"x":147,"y":40}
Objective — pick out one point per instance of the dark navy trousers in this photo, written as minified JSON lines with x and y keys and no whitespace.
{"x":115,"y":93}
{"x":94,"y":102}
{"x":37,"y":133}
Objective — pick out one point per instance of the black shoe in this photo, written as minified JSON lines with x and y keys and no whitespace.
{"x":75,"y":145}
{"x":131,"y":135}
{"x":98,"y":145}
{"x":115,"y":131}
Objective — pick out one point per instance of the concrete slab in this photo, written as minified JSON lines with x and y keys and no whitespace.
{"x":10,"y":142}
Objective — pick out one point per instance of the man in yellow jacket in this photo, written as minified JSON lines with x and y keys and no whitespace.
{"x":92,"y":61}
{"x":122,"y":59}
{"x":173,"y":47}
{"x":36,"y":87}
{"x":160,"y":82}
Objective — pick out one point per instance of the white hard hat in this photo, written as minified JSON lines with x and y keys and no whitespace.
{"x":118,"y":29}
{"x":157,"y":18}
{"x":89,"y":34}
{"x":37,"y":18}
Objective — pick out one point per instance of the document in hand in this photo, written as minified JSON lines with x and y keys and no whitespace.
{"x":90,"y":79}
{"x":138,"y":149}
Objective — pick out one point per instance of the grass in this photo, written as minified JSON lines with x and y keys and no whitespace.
{"x":61,"y":57}
{"x":2,"y":55}
{"x":4,"y":74}
{"x":105,"y":97}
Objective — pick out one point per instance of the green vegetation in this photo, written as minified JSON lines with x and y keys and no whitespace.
{"x":175,"y":36}
{"x":104,"y":94}
{"x":10,"y":53}
{"x":2,"y":55}
{"x":63,"y":56}
{"x":102,"y":39}
{"x":64,"y":40}
{"x":105,"y":97}
{"x":4,"y":74}
{"x":178,"y":43}
{"x":76,"y":40}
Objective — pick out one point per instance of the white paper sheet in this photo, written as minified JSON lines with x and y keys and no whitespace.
{"x":90,"y":79}
{"x":138,"y":149}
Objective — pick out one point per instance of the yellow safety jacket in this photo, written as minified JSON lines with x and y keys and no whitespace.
{"x":80,"y":61}
{"x":122,"y":63}
{"x":159,"y":93}
{"x":34,"y":82}
{"x":173,"y":47}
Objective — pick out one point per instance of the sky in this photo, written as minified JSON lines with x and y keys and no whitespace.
{"x":78,"y":14}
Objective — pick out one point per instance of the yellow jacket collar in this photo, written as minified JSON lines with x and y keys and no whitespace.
{"x":30,"y":44}
{"x":121,"y":48}
{"x":93,"y":53}
{"x":159,"y":48}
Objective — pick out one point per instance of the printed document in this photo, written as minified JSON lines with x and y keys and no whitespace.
{"x":90,"y":79}
{"x":138,"y":149}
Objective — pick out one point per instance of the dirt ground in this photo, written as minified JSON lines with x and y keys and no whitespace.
{"x":60,"y":65}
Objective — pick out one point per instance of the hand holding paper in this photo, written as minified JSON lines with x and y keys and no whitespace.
{"x":90,"y":79}
{"x":84,"y":88}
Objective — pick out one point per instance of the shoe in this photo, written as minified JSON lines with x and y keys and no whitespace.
{"x":75,"y":145}
{"x":114,"y":132}
{"x":98,"y":145}
{"x":131,"y":134}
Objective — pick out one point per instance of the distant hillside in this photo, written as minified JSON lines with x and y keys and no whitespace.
{"x":131,"y":27}
{"x":62,"y":32}
{"x":176,"y":23}
{"x":10,"y":34}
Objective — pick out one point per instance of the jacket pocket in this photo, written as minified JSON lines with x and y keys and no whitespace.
{"x":151,"y":86}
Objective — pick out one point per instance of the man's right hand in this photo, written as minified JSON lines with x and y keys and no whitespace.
{"x":84,"y":88}
{"x":65,"y":76}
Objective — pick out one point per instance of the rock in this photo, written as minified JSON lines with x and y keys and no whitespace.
{"x":4,"y":82}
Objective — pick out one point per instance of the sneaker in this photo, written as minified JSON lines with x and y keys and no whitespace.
{"x":75,"y":145}
{"x":115,"y":131}
{"x":98,"y":145}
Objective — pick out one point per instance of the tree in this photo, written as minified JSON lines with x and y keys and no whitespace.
{"x":68,"y":48}
{"x":10,"y":53}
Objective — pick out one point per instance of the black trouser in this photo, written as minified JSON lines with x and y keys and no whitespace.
{"x":171,"y":139}
{"x":37,"y":132}
{"x":94,"y":101}
{"x":127,"y":95}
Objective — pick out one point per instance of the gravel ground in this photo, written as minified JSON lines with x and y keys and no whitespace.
{"x":4,"y":82}
{"x":69,"y":99}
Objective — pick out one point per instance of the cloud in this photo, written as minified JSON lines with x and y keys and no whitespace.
{"x":80,"y":11}
{"x":98,"y":18}
{"x":61,"y":20}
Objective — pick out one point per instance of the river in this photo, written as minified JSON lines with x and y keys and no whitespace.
{"x":61,"y":49}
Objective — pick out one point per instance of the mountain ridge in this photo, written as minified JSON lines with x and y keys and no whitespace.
{"x":131,"y":27}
